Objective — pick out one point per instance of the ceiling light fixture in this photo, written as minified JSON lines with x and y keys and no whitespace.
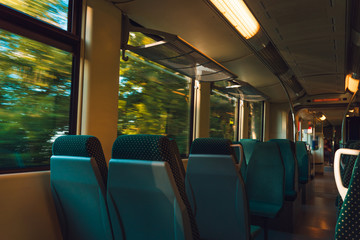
{"x":351,"y":83}
{"x":323,"y":117}
{"x":234,"y":86}
{"x":239,"y":15}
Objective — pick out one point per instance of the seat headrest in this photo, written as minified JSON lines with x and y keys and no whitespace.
{"x":76,"y":145}
{"x":216,"y":146}
{"x":82,"y":146}
{"x":141,"y":147}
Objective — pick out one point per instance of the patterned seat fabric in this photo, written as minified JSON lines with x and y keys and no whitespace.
{"x":82,"y":146}
{"x":154,"y":148}
{"x":348,"y":223}
{"x":216,"y":146}
{"x":176,"y":153}
{"x":346,"y":172}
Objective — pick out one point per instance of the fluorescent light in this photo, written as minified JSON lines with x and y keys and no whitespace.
{"x":323,"y":117}
{"x":239,"y":15}
{"x":351,"y":83}
{"x":234,"y":86}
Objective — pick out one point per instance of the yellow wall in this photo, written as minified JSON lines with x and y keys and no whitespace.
{"x":278,"y":121}
{"x":26,"y":207}
{"x":100,"y":83}
{"x":202,"y":105}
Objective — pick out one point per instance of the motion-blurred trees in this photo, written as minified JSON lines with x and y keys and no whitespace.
{"x":152,"y":99}
{"x":35,"y":83}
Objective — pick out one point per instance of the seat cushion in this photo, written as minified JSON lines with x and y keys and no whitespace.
{"x":255,"y":231}
{"x":264,"y":209}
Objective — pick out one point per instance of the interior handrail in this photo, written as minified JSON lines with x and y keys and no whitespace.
{"x":339,"y":184}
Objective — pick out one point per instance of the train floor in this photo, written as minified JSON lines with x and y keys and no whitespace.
{"x":318,"y":216}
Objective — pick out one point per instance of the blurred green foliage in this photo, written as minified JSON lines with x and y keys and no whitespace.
{"x":153,"y":99}
{"x":35,"y":83}
{"x":222,"y":116}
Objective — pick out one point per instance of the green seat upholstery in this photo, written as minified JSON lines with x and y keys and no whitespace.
{"x":303,"y":162}
{"x":217,"y":192}
{"x":265,"y":180}
{"x":348,"y":223}
{"x":146,"y":195}
{"x":78,"y":182}
{"x":248,"y":146}
{"x":290,"y":165}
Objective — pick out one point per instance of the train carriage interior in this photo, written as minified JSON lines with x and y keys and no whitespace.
{"x":193,"y":119}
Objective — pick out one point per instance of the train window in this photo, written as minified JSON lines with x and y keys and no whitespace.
{"x":35,"y":87}
{"x":153,"y":99}
{"x":255,"y":120}
{"x":222,"y":115}
{"x":54,"y":12}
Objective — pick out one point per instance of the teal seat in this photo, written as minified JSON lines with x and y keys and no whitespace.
{"x":248,"y":146}
{"x":217,"y":192}
{"x":290,"y":165}
{"x":146,"y":195}
{"x":347,"y":226}
{"x":78,"y":182}
{"x":303,"y":162}
{"x":265,"y":182}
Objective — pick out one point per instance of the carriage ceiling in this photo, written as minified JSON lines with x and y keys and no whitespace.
{"x":310,"y":36}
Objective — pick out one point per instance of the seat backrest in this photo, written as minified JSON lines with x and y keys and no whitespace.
{"x":347,"y":226}
{"x":265,"y":175}
{"x":179,"y":162}
{"x":78,"y":182}
{"x":288,"y":157}
{"x":216,"y":190}
{"x":303,"y":161}
{"x":248,"y":146}
{"x":149,"y":148}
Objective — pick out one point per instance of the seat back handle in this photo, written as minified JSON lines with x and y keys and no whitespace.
{"x":339,"y":184}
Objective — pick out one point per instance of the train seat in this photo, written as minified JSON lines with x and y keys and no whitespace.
{"x":303,"y":162}
{"x":248,"y":146}
{"x":290,"y":166}
{"x":347,"y":226}
{"x":265,"y":182}
{"x":146,"y":195}
{"x":179,"y":161}
{"x":217,"y":192}
{"x":78,"y":182}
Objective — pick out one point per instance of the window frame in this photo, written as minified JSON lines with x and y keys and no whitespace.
{"x":68,"y":40}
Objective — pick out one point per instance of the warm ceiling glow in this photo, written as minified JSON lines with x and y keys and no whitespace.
{"x":323,"y":117}
{"x":239,"y":16}
{"x":351,"y":83}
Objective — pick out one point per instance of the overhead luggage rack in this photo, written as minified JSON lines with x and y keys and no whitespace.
{"x":175,"y":53}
